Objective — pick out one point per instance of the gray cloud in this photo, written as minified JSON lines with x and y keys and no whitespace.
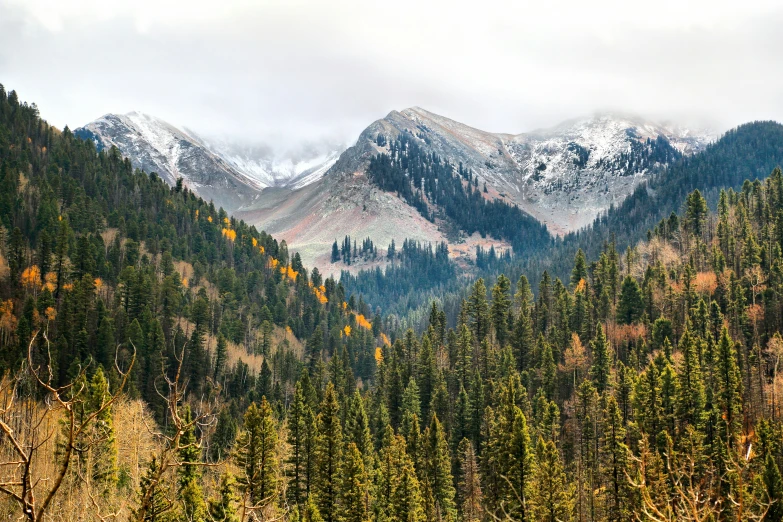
{"x":285,"y":71}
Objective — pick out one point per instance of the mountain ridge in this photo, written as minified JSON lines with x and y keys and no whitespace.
{"x":230,"y":174}
{"x":563,"y":176}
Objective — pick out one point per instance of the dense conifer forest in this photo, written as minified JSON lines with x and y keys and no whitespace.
{"x":164,"y":362}
{"x":437,"y":190}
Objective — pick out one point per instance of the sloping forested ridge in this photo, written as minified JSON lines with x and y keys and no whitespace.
{"x":747,"y":152}
{"x":439,"y":190}
{"x":105,"y":268}
{"x":643,"y":387}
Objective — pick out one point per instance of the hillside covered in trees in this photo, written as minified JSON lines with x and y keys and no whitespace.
{"x":748,"y":152}
{"x":163,"y":362}
{"x":439,"y":190}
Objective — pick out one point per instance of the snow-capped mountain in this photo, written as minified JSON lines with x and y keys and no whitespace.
{"x":311,"y":195}
{"x":564,"y":176}
{"x":230,"y":174}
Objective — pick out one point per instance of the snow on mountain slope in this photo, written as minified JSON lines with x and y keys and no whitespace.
{"x":564,"y":176}
{"x":230,"y":174}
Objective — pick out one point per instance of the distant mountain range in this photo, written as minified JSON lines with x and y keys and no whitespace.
{"x":229,"y":173}
{"x":564,"y":176}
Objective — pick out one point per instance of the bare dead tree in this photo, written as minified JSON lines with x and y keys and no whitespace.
{"x":172,"y":444}
{"x":31,"y":491}
{"x":693,"y":494}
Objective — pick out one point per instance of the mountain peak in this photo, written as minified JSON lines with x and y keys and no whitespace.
{"x":213,"y":168}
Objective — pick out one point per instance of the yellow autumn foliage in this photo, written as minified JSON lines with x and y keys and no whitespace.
{"x":363,"y":322}
{"x":51,"y":281}
{"x":31,"y":277}
{"x":289,"y":272}
{"x":378,"y":354}
{"x":229,"y":234}
{"x":320,"y":294}
{"x":347,"y":330}
{"x":385,"y":339}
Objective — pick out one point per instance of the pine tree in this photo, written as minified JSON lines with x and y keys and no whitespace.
{"x":579,"y":271}
{"x":614,"y":460}
{"x":501,"y":308}
{"x":696,"y":212}
{"x":256,"y":455}
{"x":438,"y":470}
{"x":773,"y":483}
{"x":220,"y":358}
{"x":690,"y":387}
{"x":478,"y":311}
{"x":552,"y":495}
{"x":190,"y":492}
{"x":296,"y":471}
{"x":470,"y":484}
{"x":464,"y":363}
{"x":631,"y":306}
{"x":521,"y":466}
{"x":406,"y":499}
{"x":357,"y":429}
{"x":328,"y":455}
{"x":103,"y":442}
{"x":224,"y":508}
{"x":461,"y":428}
{"x":354,"y":493}
{"x":522,"y":338}
{"x":602,"y":360}
{"x":728,"y":385}
{"x":155,"y":506}
{"x":509,"y":461}
{"x":335,"y":252}
{"x":427,"y":376}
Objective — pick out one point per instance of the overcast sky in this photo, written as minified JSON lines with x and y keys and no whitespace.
{"x":305,"y":70}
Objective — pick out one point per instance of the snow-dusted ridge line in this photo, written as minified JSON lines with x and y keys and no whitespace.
{"x":564,"y":176}
{"x":228,"y":173}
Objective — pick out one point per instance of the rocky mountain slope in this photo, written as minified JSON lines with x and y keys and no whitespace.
{"x":564,"y":176}
{"x":230,"y":174}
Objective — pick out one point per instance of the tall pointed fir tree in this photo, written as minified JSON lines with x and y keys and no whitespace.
{"x":501,"y":308}
{"x":602,"y":361}
{"x":256,"y":456}
{"x":328,"y":455}
{"x":354,"y":498}
{"x":552,"y":494}
{"x":437,"y":464}
{"x":190,"y":493}
{"x":296,"y":469}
